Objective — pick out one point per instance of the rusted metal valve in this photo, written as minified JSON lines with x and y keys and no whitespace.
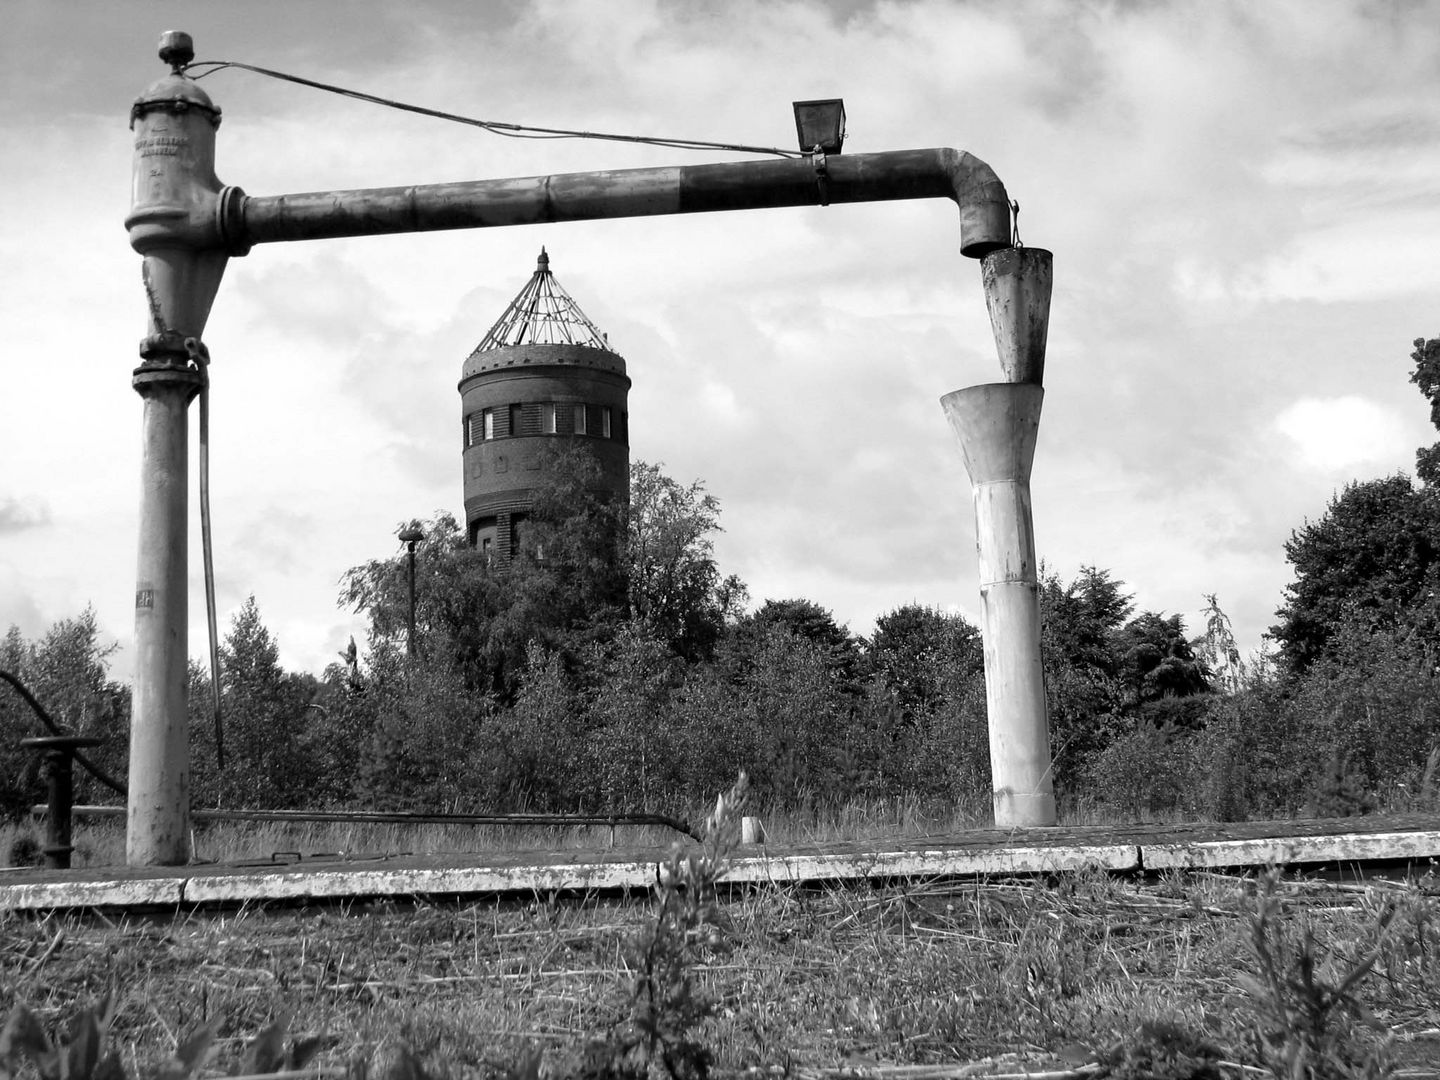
{"x":59,"y":751}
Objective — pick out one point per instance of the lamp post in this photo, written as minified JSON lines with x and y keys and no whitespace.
{"x":411,"y":535}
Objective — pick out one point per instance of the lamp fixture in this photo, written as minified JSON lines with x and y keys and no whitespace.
{"x":820,"y":125}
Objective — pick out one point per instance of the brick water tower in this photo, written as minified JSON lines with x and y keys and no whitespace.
{"x":543,"y":377}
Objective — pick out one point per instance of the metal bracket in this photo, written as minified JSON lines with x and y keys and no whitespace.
{"x":822,"y":178}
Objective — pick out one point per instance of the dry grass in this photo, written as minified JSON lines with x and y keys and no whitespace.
{"x":1019,"y":975}
{"x":101,"y":841}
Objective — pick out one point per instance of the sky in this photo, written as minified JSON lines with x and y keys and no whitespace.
{"x":1243,"y":201}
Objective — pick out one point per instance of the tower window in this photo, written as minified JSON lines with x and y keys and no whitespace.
{"x":580,"y":420}
{"x":487,"y":423}
{"x":516,"y":412}
{"x":547,"y":418}
{"x":605,"y":421}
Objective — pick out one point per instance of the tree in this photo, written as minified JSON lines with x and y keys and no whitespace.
{"x":911,"y":649}
{"x":805,"y":619}
{"x":1217,"y":650}
{"x":1158,"y":660}
{"x":67,"y":670}
{"x":467,"y":615}
{"x":264,"y":711}
{"x":674,"y":585}
{"x":789,"y":713}
{"x":574,"y":559}
{"x":1372,"y":559}
{"x":563,"y":589}
{"x":1427,"y":377}
{"x":1084,"y":688}
{"x":629,"y":681}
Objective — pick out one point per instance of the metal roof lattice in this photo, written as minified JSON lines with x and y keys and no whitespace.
{"x":543,"y":313}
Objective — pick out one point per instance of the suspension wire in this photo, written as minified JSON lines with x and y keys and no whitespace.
{"x":201,"y":358}
{"x":495,"y":127}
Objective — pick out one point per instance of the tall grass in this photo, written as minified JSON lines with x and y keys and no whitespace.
{"x":101,"y":841}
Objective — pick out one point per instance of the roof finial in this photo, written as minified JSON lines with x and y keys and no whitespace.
{"x":542,"y":264}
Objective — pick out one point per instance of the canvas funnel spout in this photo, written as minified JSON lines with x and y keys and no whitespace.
{"x":1017,"y":284}
{"x":997,"y":425}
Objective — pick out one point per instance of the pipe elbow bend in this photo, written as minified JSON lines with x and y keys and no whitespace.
{"x":984,"y":204}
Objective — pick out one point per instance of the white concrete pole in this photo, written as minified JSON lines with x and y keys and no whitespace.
{"x":997,"y":425}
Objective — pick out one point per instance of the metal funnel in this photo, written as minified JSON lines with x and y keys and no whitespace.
{"x":997,"y":425}
{"x":1017,"y":285}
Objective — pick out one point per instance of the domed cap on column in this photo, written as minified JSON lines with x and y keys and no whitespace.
{"x":175,"y":91}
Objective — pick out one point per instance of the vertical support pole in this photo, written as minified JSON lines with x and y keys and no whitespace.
{"x":61,"y":797}
{"x":410,"y":624}
{"x":158,"y":821}
{"x":174,"y":223}
{"x":997,"y":425}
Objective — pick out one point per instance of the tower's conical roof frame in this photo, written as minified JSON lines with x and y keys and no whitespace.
{"x":543,"y":314}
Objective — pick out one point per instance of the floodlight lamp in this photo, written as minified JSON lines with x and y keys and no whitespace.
{"x":411,"y":535}
{"x":820,"y":125}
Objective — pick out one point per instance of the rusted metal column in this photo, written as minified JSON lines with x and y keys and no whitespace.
{"x":172,"y":224}
{"x":997,"y":425}
{"x":158,"y":825}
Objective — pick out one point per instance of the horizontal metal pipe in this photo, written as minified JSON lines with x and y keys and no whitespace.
{"x":746,"y":185}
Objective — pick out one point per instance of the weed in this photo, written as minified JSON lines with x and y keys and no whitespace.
{"x":1341,"y":791}
{"x":25,"y":850}
{"x":1163,"y":1050}
{"x":1305,"y":1027}
{"x":666,"y":1009}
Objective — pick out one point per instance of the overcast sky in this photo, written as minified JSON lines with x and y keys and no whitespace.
{"x":1243,"y":200}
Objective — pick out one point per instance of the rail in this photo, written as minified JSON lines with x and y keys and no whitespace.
{"x":400,"y":817}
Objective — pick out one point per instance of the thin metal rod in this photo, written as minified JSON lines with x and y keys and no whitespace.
{"x":410,"y":626}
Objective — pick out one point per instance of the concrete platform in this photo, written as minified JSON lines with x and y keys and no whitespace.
{"x":1359,"y":842}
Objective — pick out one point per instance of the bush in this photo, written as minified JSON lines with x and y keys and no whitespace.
{"x":1149,"y":770}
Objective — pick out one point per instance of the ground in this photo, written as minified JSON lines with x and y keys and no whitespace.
{"x":1155,"y":976}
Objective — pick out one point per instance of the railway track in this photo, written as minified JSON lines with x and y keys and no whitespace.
{"x":1388,"y":845}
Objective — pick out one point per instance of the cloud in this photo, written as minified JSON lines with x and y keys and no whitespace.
{"x":1336,"y":433}
{"x":18,"y":514}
